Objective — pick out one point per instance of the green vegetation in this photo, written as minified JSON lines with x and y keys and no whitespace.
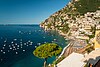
{"x":91,"y":36}
{"x":93,"y":30}
{"x":84,"y":6}
{"x":65,"y":28}
{"x":87,"y":41}
{"x":86,"y":65}
{"x":91,"y":48}
{"x":73,"y":9}
{"x":58,"y":60}
{"x":49,"y":25}
{"x":47,"y":50}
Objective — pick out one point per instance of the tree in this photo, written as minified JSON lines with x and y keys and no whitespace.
{"x":47,"y":50}
{"x":65,"y":28}
{"x":84,"y":6}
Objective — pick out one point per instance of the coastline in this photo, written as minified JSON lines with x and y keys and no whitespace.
{"x":65,"y":37}
{"x":70,"y":44}
{"x":24,"y":40}
{"x":78,"y":26}
{"x":74,"y":44}
{"x":63,"y":51}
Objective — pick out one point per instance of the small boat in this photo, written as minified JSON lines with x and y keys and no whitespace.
{"x":21,"y":44}
{"x":55,"y":39}
{"x":8,"y":51}
{"x":21,"y":47}
{"x":5,"y":41}
{"x":29,"y":41}
{"x":15,"y":39}
{"x":16,"y":52}
{"x":9,"y":45}
{"x":30,"y":44}
{"x":20,"y":39}
{"x":10,"y":48}
{"x":29,"y":33}
{"x":52,"y":41}
{"x":43,"y":37}
{"x":4,"y":52}
{"x":23,"y":50}
{"x":1,"y":50}
{"x":15,"y":43}
{"x":14,"y":47}
{"x":19,"y":31}
{"x":39,"y":43}
{"x":45,"y":42}
{"x":4,"y":45}
{"x":35,"y":46}
{"x":12,"y":42}
{"x":24,"y":43}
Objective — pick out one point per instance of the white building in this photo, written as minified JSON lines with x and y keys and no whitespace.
{"x":73,"y":60}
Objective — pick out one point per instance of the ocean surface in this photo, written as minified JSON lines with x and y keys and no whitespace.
{"x":17,"y":43}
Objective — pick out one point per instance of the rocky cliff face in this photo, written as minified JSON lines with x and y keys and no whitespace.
{"x":78,"y":14}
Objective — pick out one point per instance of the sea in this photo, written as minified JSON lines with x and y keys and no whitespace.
{"x":17,"y":43}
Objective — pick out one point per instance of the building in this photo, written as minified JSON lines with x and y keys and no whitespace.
{"x":73,"y":60}
{"x":83,"y":37}
{"x":93,"y":58}
{"x":97,"y":40}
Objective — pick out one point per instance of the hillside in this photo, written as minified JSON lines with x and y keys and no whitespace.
{"x":77,"y":21}
{"x":79,"y":16}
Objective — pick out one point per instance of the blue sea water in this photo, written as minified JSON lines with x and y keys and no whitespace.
{"x":17,"y":43}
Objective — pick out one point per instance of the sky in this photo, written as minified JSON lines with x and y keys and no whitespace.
{"x":28,"y":11}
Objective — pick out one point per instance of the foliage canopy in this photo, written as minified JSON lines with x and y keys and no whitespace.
{"x":84,"y":6}
{"x":47,"y":50}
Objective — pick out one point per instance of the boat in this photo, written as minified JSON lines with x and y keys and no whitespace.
{"x":23,"y":50}
{"x":15,"y":39}
{"x":16,"y":52}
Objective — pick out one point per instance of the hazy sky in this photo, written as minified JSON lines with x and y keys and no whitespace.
{"x":28,"y":11}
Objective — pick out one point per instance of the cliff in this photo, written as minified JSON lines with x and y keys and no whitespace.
{"x":78,"y":16}
{"x":78,"y":21}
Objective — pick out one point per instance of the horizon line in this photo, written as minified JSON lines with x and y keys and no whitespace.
{"x":19,"y":24}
